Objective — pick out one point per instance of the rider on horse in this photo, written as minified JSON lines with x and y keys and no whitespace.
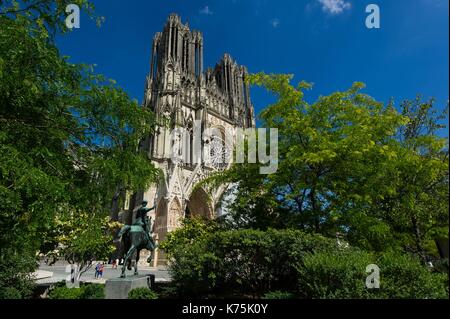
{"x":137,"y":236}
{"x":142,"y":221}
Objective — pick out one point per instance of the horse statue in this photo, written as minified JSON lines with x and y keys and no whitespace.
{"x":136,"y":237}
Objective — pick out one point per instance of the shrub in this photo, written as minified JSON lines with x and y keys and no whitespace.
{"x":86,"y":291}
{"x":207,"y":261}
{"x":242,"y":262}
{"x":65,"y":293}
{"x":10,"y":293}
{"x":342,"y":274}
{"x":142,"y":293}
{"x":16,"y":281}
{"x":93,"y":291}
{"x":405,"y":277}
{"x":338,"y":274}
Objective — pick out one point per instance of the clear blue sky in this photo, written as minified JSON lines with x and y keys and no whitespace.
{"x":320,"y":41}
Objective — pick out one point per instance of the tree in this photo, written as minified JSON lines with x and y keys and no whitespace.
{"x":417,"y":209}
{"x":68,"y":136}
{"x":81,"y":238}
{"x":343,"y":167}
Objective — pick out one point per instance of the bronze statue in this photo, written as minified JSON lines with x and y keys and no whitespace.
{"x":136,"y":237}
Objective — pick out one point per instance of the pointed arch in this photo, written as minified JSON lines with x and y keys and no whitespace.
{"x":199,"y":204}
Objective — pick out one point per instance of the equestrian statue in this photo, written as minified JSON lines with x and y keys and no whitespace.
{"x":136,"y":237}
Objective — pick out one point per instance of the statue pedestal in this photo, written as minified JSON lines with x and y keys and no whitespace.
{"x":118,"y":288}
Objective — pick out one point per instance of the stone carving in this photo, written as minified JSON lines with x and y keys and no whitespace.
{"x":175,"y":214}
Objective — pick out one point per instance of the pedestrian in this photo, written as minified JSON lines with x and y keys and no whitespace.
{"x":97,"y":270}
{"x":114,"y":265}
{"x":117,"y":262}
{"x":100,"y":269}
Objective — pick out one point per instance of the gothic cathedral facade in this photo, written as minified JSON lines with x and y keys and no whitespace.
{"x":184,"y":96}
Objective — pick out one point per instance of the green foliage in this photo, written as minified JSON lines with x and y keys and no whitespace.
{"x":417,"y":208}
{"x":192,"y":230}
{"x":208,"y":261}
{"x":85,"y":291}
{"x":68,"y":138}
{"x":342,"y":274}
{"x":15,"y":275}
{"x":238,"y":262}
{"x":48,"y":16}
{"x":82,"y":239}
{"x":142,"y":293}
{"x":93,"y":291}
{"x":347,"y":163}
{"x":64,"y":292}
{"x":405,"y":277}
{"x":10,"y":293}
{"x":339,"y":274}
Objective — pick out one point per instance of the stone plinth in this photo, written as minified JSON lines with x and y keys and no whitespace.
{"x":118,"y":288}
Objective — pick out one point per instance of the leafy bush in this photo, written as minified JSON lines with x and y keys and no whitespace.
{"x":342,"y":274}
{"x":339,"y":274}
{"x":86,"y":291}
{"x":206,"y":261}
{"x":93,"y":291}
{"x":405,"y":277}
{"x":15,"y":274}
{"x":66,"y":293}
{"x":10,"y":293}
{"x":142,"y":293}
{"x":242,"y":262}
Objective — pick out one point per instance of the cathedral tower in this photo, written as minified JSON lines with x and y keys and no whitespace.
{"x":187,"y":101}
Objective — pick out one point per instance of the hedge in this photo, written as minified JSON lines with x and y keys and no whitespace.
{"x":287,"y":263}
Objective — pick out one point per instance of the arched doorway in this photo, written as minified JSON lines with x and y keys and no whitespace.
{"x":199,"y":204}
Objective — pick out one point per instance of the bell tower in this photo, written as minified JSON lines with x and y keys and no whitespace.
{"x":187,"y":101}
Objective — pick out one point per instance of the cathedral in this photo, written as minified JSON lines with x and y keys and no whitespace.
{"x":187,"y":101}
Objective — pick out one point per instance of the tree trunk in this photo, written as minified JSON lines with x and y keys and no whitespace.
{"x":115,"y":203}
{"x":418,"y":239}
{"x":316,"y":216}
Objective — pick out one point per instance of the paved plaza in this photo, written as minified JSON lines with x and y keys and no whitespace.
{"x":57,"y":272}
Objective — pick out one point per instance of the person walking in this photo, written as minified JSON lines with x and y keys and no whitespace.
{"x":97,"y":270}
{"x":100,"y":269}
